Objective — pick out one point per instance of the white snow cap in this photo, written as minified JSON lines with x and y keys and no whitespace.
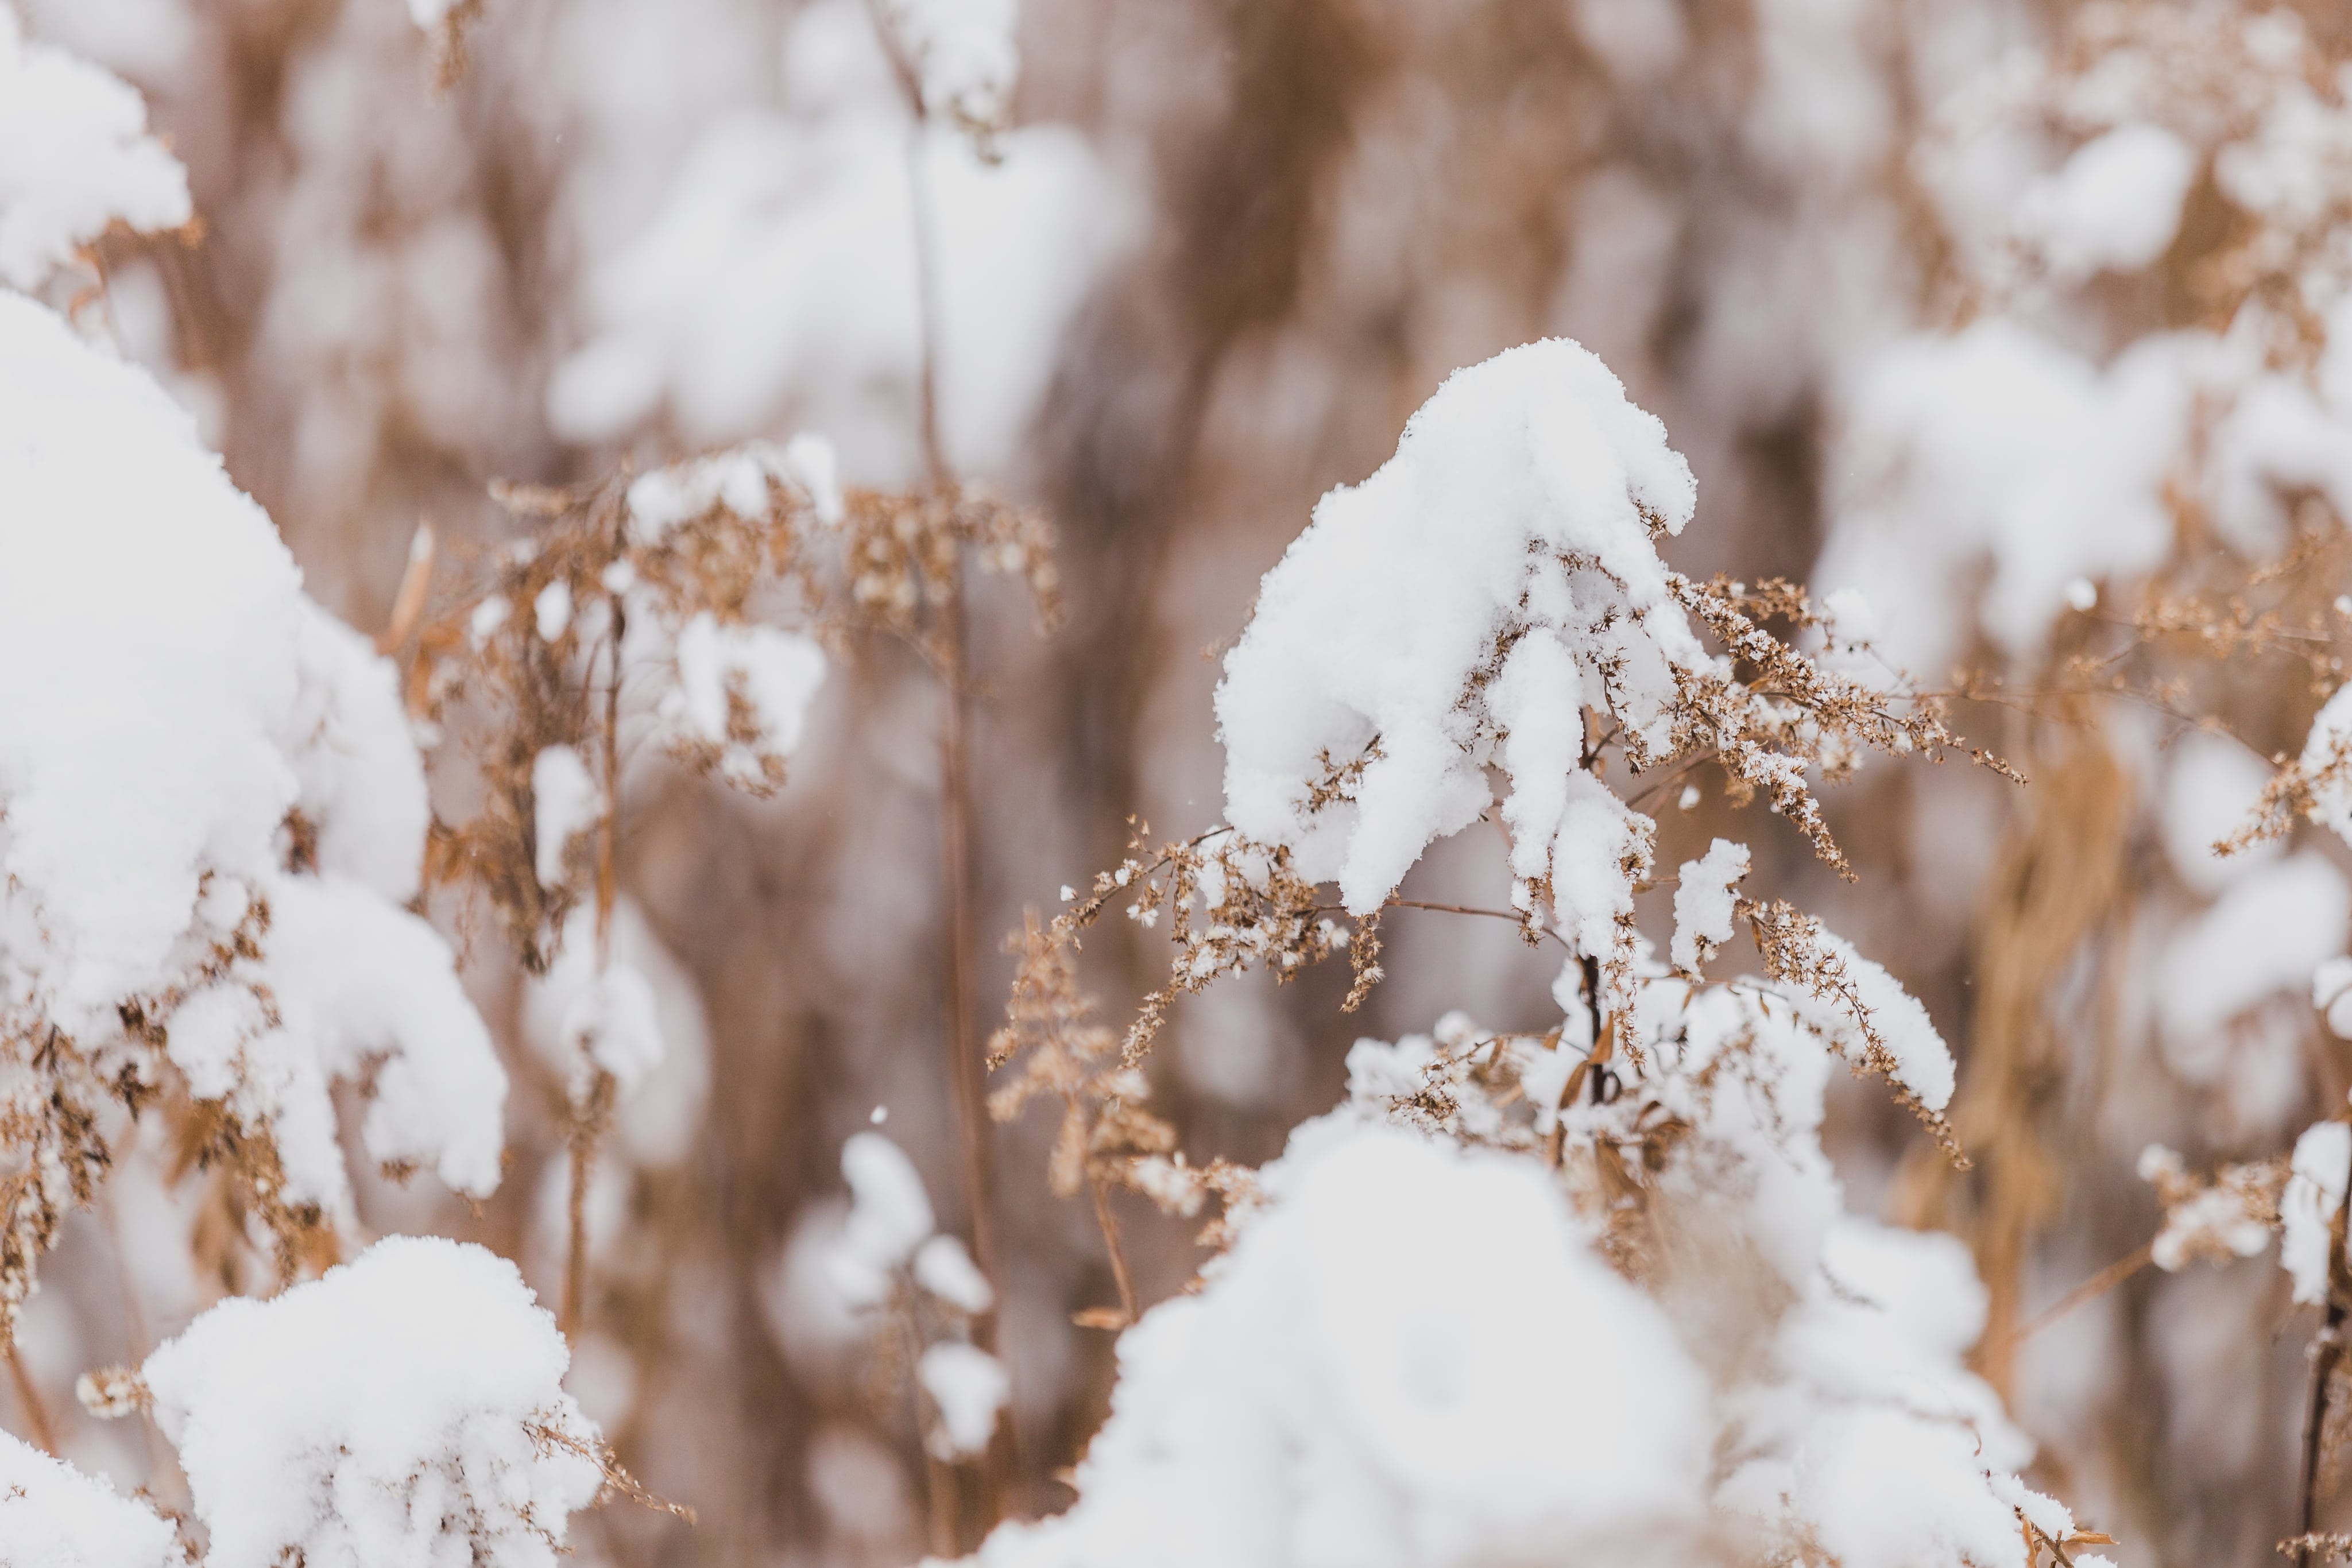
{"x":168,"y":696}
{"x":1706,"y":897}
{"x":889,"y":1217}
{"x":1395,"y":1366}
{"x":53,"y":1516}
{"x":965,"y":54}
{"x":400,"y":1407}
{"x":75,"y":158}
{"x":2307,"y":1209}
{"x":565,"y":803}
{"x":2114,"y":204}
{"x":968,"y":1387}
{"x":1520,"y":501}
{"x":742,"y":692}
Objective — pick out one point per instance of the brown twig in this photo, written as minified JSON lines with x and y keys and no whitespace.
{"x":2097,"y":1285}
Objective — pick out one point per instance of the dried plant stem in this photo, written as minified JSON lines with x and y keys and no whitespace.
{"x":1128,"y":1305}
{"x":2090,"y":1289}
{"x":29,"y":1400}
{"x":587,"y":1121}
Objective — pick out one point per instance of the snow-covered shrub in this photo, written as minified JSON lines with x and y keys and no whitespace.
{"x":1586,"y":1294}
{"x":405,"y":1406}
{"x":215,"y":817}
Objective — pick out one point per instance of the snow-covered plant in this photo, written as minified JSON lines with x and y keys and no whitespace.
{"x":2132,"y":435}
{"x":920,"y":1291}
{"x":213,"y":820}
{"x":76,"y":159}
{"x":1582,"y":1293}
{"x":405,"y":1406}
{"x":645,"y":611}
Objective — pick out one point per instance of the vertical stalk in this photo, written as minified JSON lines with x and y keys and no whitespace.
{"x":588,"y":1119}
{"x":29,"y":1400}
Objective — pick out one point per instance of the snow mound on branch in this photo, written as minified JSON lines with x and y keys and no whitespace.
{"x":193,"y":755}
{"x":75,"y":158}
{"x":53,"y":1516}
{"x":1518,"y":512}
{"x":399,"y":1407}
{"x":1412,"y":1358}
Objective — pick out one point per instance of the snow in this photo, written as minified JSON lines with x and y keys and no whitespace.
{"x":1996,"y":444}
{"x":75,"y":158}
{"x":943,"y":1268}
{"x":1515,"y":503}
{"x":2210,"y":790}
{"x":636,"y":1014}
{"x":565,"y":803}
{"x":551,"y":611}
{"x":778,"y":282}
{"x":2314,"y":1196}
{"x":2113,"y":204}
{"x":2266,"y":933}
{"x":743,"y":695}
{"x":968,"y":1386}
{"x":2331,"y":735}
{"x":889,"y":1218}
{"x":1394,"y":1366}
{"x":401,"y":1408}
{"x":53,"y":1516}
{"x":430,"y":13}
{"x":167,"y":696}
{"x":965,"y":54}
{"x":613,"y":1023}
{"x":2331,"y":993}
{"x":1705,"y":897}
{"x":736,"y":481}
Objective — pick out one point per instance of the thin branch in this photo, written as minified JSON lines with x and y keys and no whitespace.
{"x":2097,"y":1285}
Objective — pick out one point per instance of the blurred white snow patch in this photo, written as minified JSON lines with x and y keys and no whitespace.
{"x":1997,"y":445}
{"x":968,"y":1387}
{"x":2331,"y":993}
{"x":430,"y":13}
{"x":966,"y":55}
{"x":1639,"y":40}
{"x":778,"y":282}
{"x":736,"y":481}
{"x":2113,"y":204}
{"x":409,"y":1399}
{"x":655,"y":1038}
{"x":2307,"y":1209}
{"x":889,"y":1217}
{"x":742,"y":696}
{"x":565,"y":803}
{"x":75,"y":157}
{"x":145,"y":40}
{"x":2268,"y":933}
{"x":945,"y":1268}
{"x":2209,"y":791}
{"x":53,"y":1516}
{"x":604,"y":1379}
{"x":860,"y":1487}
{"x":1393,"y":1365}
{"x":2331,"y":738}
